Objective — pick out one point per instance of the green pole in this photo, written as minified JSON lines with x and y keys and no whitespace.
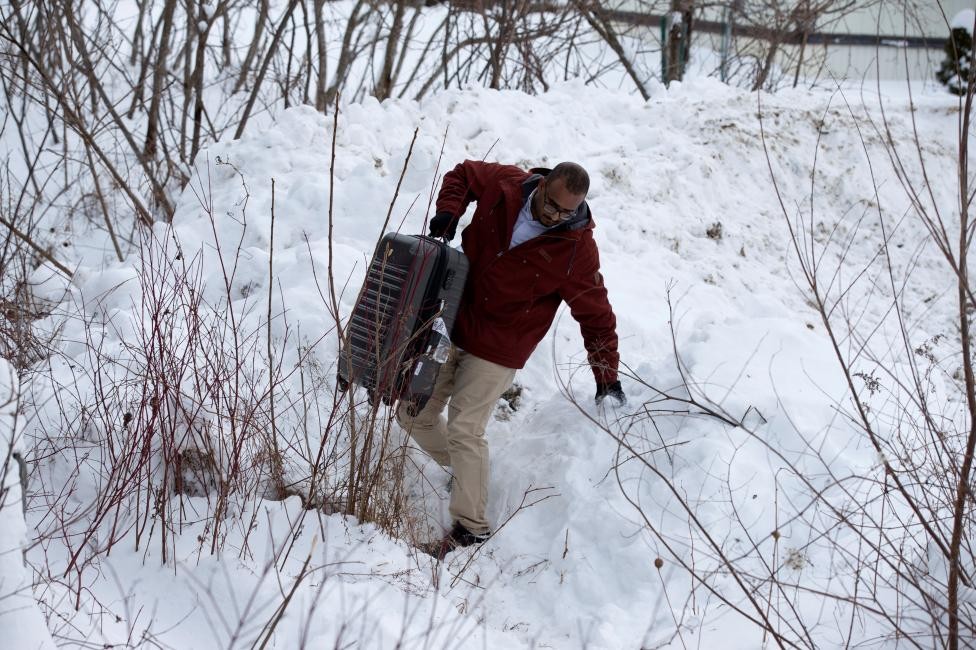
{"x":664,"y":50}
{"x":726,"y":44}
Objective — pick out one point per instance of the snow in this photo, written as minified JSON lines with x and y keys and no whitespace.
{"x":963,"y":20}
{"x":572,"y":561}
{"x":20,"y":618}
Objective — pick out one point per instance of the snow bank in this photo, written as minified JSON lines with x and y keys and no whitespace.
{"x":21,"y":623}
{"x":577,"y":567}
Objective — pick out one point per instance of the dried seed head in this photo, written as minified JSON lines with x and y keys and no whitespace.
{"x":658,"y":563}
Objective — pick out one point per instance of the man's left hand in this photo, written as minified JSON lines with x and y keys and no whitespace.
{"x":612,"y":390}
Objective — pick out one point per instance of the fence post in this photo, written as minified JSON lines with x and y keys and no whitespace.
{"x":664,"y":49}
{"x":726,"y":43}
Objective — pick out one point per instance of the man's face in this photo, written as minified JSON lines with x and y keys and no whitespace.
{"x":554,"y":203}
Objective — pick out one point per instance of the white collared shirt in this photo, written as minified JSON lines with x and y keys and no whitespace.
{"x":525,"y":226}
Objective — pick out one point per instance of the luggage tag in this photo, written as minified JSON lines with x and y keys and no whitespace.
{"x":443,"y":350}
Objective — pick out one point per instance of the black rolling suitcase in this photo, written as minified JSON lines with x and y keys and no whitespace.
{"x":398,"y":334}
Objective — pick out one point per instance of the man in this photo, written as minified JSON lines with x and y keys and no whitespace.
{"x":530,"y":247}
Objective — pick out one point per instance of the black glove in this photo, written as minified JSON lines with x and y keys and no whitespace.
{"x":612,"y":390}
{"x":444,"y":224}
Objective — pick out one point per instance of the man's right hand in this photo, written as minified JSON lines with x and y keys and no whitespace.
{"x":443,"y":225}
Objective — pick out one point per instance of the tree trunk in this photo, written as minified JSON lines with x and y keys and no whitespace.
{"x":272,"y":48}
{"x":137,"y":38}
{"x":766,"y":67}
{"x":225,"y":43}
{"x":322,"y":75}
{"x":252,"y":51}
{"x":679,"y":37}
{"x":286,"y":87}
{"x":499,"y":49}
{"x":411,"y":27}
{"x":199,"y":70}
{"x":307,"y":57}
{"x":384,"y":84}
{"x":799,"y":62}
{"x":345,"y":55}
{"x":187,"y":51}
{"x":159,"y":76}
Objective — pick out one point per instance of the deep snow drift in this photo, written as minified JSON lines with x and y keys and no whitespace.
{"x":685,"y":210}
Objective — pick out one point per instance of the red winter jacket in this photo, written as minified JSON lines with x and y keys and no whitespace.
{"x":511,"y":296}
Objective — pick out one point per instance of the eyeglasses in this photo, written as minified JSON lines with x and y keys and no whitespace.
{"x":552,"y":209}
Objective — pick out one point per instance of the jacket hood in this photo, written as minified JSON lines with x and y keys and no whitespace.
{"x":583,"y":218}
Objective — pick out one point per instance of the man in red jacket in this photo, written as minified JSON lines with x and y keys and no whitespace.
{"x":530,"y":248}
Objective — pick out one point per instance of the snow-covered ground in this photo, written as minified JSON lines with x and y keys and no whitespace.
{"x":692,"y":236}
{"x":20,"y":617}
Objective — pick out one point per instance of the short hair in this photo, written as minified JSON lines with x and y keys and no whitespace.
{"x":574,"y":177}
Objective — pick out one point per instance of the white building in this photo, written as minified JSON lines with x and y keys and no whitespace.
{"x":886,"y":39}
{"x":912,"y":38}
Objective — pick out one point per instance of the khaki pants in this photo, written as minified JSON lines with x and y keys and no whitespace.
{"x":469,"y":387}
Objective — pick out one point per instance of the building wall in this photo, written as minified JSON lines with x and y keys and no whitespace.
{"x":887,"y":63}
{"x":918,"y":18}
{"x":913,"y":18}
{"x":900,"y":54}
{"x":827,"y":62}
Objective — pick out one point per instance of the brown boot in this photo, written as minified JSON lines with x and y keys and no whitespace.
{"x":458,"y":537}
